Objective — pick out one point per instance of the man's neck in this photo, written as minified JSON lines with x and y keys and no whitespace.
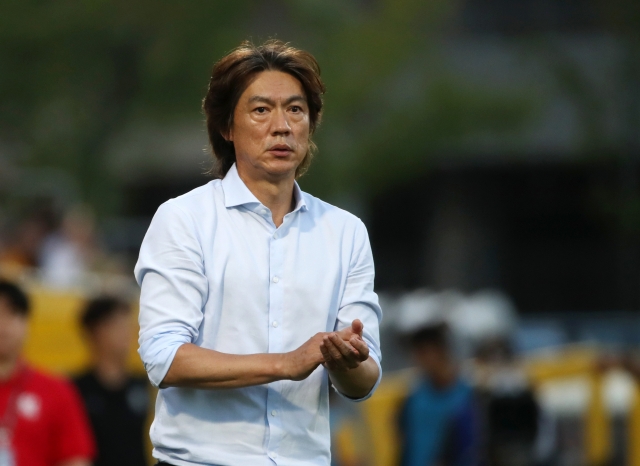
{"x":276,"y":194}
{"x":7,"y":368}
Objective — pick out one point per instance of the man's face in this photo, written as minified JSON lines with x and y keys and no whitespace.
{"x":270,"y":131}
{"x":13,"y":331}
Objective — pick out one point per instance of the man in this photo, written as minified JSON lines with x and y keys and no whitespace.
{"x":117,"y":401}
{"x":42,"y":422}
{"x":255,"y":295}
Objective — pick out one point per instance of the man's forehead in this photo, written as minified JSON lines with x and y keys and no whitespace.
{"x":274,"y":85}
{"x":290,"y":99}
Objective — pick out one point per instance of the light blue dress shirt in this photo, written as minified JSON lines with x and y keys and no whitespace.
{"x":216,"y":272}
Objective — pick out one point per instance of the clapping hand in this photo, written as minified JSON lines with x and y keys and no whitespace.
{"x":344,"y":350}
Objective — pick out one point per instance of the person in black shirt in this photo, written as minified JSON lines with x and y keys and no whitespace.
{"x":117,"y":401}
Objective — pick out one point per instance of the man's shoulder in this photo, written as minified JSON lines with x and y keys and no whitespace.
{"x":197,"y":201}
{"x":321,"y":208}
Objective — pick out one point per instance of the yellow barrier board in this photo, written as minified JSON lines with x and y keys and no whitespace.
{"x":55,"y":340}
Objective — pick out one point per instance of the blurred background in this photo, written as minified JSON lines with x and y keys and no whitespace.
{"x":491,"y":147}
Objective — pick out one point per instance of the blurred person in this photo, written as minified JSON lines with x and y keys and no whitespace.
{"x":23,"y":244}
{"x":116,"y":400}
{"x":438,"y":421}
{"x":42,"y":420}
{"x":256,"y":296}
{"x":508,"y":412}
{"x":71,"y":251}
{"x":511,"y":416}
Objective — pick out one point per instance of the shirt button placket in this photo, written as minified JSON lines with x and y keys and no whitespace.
{"x":275,"y":343}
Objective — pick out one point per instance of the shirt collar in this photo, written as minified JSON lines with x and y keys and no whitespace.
{"x":236,"y":192}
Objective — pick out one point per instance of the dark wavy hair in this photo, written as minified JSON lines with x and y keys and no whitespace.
{"x":233,"y":74}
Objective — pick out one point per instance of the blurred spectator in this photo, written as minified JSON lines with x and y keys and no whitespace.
{"x":510,"y":412}
{"x":70,"y":252}
{"x":23,"y":243}
{"x":437,"y":421}
{"x":42,"y":421}
{"x":116,"y":400}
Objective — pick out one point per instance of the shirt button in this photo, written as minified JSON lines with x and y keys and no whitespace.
{"x":276,"y":279}
{"x":264,"y":211}
{"x":274,"y":412}
{"x":275,"y":235}
{"x":275,"y":324}
{"x":274,"y":455}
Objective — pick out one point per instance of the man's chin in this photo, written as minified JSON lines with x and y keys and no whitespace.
{"x":272,"y":169}
{"x":282,"y":168}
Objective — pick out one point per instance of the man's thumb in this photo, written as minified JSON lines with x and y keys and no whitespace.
{"x":356,"y":327}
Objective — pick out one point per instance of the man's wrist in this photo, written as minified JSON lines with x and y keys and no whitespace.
{"x":358,"y":382}
{"x":281,"y":366}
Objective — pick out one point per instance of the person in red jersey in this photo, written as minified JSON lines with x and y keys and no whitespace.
{"x":42,"y":420}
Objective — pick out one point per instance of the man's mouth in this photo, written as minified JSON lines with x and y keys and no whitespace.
{"x":280,"y":149}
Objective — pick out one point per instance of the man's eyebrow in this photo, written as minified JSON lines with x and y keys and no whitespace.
{"x":259,"y":98}
{"x":294,"y":98}
{"x":267,"y":100}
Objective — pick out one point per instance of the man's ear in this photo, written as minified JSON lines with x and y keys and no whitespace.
{"x":228,"y":135}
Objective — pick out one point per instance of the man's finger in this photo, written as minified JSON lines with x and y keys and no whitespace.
{"x":325,"y":354}
{"x":346,"y":333}
{"x":348,"y":352}
{"x":340,"y":361}
{"x":361,"y":346}
{"x":333,"y":351}
{"x":329,"y":361}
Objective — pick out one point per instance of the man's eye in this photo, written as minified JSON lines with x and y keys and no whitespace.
{"x":296,"y":109}
{"x":261,"y":110}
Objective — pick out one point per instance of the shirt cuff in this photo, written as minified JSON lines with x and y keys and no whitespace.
{"x":373,"y":389}
{"x":157,"y":354}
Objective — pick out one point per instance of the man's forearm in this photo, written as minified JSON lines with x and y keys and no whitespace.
{"x":198,"y":367}
{"x":356,"y":383}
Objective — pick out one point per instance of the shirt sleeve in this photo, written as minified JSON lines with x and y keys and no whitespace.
{"x":359,"y":301}
{"x":73,"y":437}
{"x":170,"y":272}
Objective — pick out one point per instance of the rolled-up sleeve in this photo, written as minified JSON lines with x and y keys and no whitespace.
{"x":359,"y":301}
{"x":170,"y":272}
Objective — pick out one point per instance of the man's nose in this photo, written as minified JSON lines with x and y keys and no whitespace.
{"x":279,"y":123}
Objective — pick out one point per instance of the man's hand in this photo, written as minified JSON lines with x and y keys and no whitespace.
{"x":346,"y":357}
{"x":300,"y":363}
{"x":344,"y":350}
